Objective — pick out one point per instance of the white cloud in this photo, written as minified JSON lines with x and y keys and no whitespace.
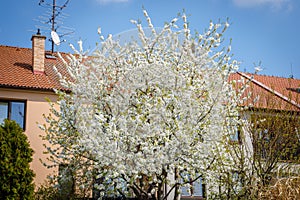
{"x":274,"y":4}
{"x":111,"y":1}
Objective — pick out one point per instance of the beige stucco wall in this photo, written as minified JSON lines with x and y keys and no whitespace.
{"x":36,"y":107}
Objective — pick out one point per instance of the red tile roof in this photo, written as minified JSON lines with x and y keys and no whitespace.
{"x":271,"y":92}
{"x":16,"y":70}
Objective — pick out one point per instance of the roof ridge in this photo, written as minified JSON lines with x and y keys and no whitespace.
{"x":15,"y":47}
{"x":285,"y":98}
{"x":273,"y":76}
{"x":29,"y":48}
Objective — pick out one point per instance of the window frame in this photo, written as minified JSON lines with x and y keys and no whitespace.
{"x":9,"y":109}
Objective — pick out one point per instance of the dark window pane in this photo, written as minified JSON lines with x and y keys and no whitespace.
{"x":3,"y":111}
{"x":18,"y":112}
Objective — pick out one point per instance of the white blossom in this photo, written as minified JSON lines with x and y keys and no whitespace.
{"x":152,"y":106}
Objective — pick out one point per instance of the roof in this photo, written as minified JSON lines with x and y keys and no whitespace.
{"x":271,"y":92}
{"x":16,"y":70}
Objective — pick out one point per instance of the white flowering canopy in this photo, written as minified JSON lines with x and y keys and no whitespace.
{"x":155,"y":106}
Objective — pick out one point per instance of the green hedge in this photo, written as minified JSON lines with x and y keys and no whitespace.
{"x":16,"y":177}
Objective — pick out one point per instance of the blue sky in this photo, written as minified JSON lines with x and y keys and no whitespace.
{"x":266,"y":31}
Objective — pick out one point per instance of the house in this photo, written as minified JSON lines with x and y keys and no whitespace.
{"x":283,"y":93}
{"x":273,"y":108}
{"x":27,"y":78}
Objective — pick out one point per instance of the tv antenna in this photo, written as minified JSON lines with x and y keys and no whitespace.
{"x":55,"y":12}
{"x":292,"y":75}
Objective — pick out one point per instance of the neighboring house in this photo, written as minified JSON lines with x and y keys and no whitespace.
{"x":271,"y":92}
{"x":276,"y":100}
{"x":27,"y":78}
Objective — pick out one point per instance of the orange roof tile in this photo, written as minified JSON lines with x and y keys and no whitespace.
{"x":16,"y":70}
{"x":271,"y":92}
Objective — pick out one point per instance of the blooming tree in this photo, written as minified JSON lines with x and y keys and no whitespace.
{"x":154,"y":113}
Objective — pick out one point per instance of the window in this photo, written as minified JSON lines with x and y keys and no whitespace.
{"x":114,"y":189}
{"x":234,"y":129}
{"x":235,"y":137}
{"x":13,"y":110}
{"x":195,"y":188}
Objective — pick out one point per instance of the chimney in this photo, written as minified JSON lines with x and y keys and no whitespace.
{"x":38,"y":53}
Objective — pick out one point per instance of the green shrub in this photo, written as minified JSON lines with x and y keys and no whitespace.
{"x":51,"y":191}
{"x":46,"y":192}
{"x":16,"y":177}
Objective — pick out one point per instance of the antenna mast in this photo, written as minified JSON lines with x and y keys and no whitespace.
{"x":53,"y":23}
{"x":56,"y":11}
{"x":292,"y":75}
